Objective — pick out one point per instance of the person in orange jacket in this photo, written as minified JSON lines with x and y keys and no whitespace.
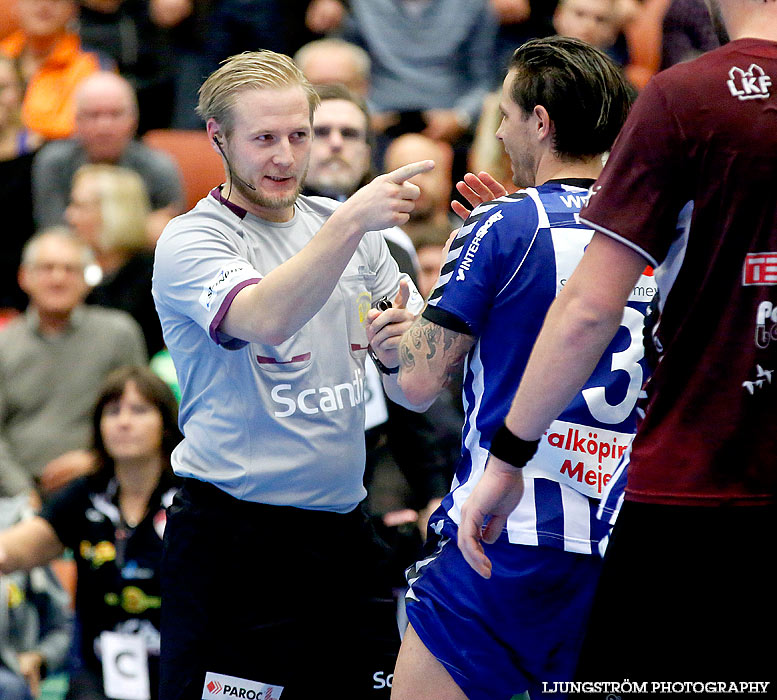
{"x":51,"y":61}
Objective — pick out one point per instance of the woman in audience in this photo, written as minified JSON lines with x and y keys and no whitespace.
{"x":108,"y":209}
{"x":17,"y":148}
{"x":113,"y":520}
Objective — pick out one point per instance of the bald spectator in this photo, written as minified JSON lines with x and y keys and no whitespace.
{"x":51,"y":62}
{"x":332,"y":60}
{"x":52,"y":360}
{"x":106,"y":123}
{"x":431,"y":207}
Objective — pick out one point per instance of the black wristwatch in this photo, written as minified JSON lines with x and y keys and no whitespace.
{"x":379,"y":364}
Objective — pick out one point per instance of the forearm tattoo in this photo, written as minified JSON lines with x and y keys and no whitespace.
{"x":433,"y":341}
{"x":406,"y":359}
{"x":432,"y":334}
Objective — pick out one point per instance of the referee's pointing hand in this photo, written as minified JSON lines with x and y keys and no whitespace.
{"x":388,"y":200}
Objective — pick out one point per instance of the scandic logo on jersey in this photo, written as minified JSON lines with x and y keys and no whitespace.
{"x":319,"y":399}
{"x":760,"y":269}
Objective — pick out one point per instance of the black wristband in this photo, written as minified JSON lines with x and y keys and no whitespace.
{"x":379,"y":364}
{"x":508,"y":447}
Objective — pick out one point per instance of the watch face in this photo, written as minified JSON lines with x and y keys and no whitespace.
{"x":382,"y":304}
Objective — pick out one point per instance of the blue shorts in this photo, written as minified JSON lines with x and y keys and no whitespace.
{"x":508,"y":634}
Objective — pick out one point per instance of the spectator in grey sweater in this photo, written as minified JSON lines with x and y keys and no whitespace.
{"x":52,"y":361}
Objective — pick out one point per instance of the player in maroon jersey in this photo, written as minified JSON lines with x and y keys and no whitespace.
{"x":689,"y":189}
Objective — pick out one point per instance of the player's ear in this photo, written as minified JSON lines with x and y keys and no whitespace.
{"x":543,"y":122}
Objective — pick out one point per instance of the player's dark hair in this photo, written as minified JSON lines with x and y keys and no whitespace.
{"x":584,"y":91}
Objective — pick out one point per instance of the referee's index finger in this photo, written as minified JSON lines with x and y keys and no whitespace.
{"x":410,"y":170}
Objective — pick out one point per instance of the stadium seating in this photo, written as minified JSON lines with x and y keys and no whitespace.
{"x":200,"y":165}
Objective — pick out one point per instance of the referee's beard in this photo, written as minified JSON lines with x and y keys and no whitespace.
{"x":265,"y":201}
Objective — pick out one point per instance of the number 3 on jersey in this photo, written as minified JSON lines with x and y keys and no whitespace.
{"x":627,"y":360}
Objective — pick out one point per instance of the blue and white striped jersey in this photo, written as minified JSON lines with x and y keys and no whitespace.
{"x":506,"y":266}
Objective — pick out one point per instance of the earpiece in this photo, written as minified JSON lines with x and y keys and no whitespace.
{"x":229,"y":167}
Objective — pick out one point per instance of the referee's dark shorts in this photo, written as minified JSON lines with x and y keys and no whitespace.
{"x":272,"y":595}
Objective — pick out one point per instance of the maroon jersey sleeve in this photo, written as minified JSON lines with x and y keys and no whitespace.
{"x":639,"y":194}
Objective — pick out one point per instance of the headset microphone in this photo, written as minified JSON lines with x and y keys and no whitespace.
{"x":232,"y":174}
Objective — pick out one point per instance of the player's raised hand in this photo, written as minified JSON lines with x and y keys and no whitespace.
{"x":476,"y":189}
{"x":387,"y":200}
{"x":484,"y":514}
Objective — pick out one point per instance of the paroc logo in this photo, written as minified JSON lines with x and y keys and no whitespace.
{"x":242,"y":688}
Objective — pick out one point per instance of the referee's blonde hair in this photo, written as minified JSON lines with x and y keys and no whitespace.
{"x":250,"y":70}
